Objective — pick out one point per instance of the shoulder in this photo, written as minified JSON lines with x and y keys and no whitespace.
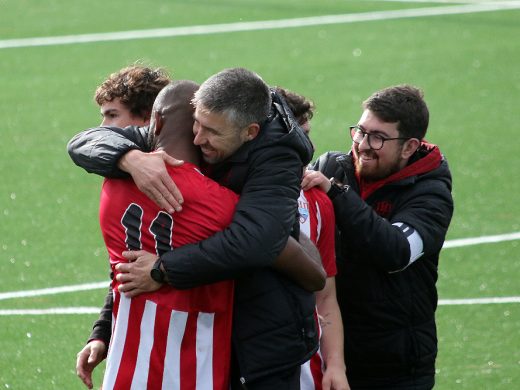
{"x":329,"y":162}
{"x":283,"y":132}
{"x":194,"y":184}
{"x":321,"y":201}
{"x":437,"y":179}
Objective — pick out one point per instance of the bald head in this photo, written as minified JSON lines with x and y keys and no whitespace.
{"x":172,"y":117}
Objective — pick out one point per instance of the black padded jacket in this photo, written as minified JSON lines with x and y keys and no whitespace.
{"x":388,"y":305}
{"x":273,"y":327}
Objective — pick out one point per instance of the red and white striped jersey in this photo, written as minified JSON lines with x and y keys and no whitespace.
{"x":318,"y":223}
{"x":168,"y":339}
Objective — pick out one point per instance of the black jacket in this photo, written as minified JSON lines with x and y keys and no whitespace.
{"x":274,"y":327}
{"x":388,"y":306}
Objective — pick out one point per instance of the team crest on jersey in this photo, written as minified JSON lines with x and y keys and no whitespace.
{"x":304,"y":213}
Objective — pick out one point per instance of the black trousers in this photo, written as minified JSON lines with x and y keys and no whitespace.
{"x":285,"y":380}
{"x":410,"y":383}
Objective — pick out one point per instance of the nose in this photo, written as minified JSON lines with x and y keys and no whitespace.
{"x":363,"y":145}
{"x":198,"y":139}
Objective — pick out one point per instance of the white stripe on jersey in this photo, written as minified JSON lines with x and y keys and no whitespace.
{"x":117,"y":343}
{"x":318,"y":225}
{"x":306,"y":379}
{"x":140,"y":379}
{"x":172,"y":370}
{"x":205,"y":351}
{"x":171,"y":380}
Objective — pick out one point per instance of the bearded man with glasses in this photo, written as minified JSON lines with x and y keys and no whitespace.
{"x":393,"y":205}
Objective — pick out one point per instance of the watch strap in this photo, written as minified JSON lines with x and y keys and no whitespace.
{"x":157,"y":273}
{"x":336,"y":189}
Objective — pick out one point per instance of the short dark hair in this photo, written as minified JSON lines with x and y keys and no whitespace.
{"x":136,"y":86}
{"x":401,"y":104}
{"x":301,"y":107}
{"x":238,"y":93}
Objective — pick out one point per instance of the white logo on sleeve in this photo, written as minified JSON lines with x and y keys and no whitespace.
{"x":414,"y":240}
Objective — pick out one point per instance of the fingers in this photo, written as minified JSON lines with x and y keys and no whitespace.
{"x":309,"y":181}
{"x":123,"y":270}
{"x":162,"y":198}
{"x":130,"y":290}
{"x":151,"y":176}
{"x":133,"y":256}
{"x":165,"y":194}
{"x":171,"y":160}
{"x":124,"y":278}
{"x":126,"y":287}
{"x":172,"y":194}
{"x":130,"y":256}
{"x":83,"y":370}
{"x":133,"y":293}
{"x":315,"y":179}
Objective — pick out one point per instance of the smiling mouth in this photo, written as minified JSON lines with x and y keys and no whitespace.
{"x":365,"y":157}
{"x":206,"y":150}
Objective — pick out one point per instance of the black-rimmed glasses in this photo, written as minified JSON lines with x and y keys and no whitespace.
{"x":375,"y":141}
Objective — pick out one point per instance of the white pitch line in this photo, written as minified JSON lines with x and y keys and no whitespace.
{"x":481,"y":240}
{"x":54,"y":290}
{"x":53,"y":310}
{"x":448,"y":1}
{"x":96,"y":310}
{"x":98,"y":285}
{"x":478,"y":301}
{"x":258,"y":25}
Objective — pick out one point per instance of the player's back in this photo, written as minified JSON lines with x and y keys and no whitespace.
{"x":168,"y":335}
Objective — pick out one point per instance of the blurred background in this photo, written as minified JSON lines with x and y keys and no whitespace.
{"x":53,"y":54}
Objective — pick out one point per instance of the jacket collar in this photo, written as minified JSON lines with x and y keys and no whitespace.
{"x":427,"y":158}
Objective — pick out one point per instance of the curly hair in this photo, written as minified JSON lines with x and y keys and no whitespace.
{"x":136,"y":86}
{"x":302,"y":108}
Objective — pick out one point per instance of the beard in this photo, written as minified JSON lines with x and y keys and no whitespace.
{"x":374,"y":171}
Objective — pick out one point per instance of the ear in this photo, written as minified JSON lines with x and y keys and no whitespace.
{"x":156,"y":123}
{"x":250,"y":132}
{"x":409,"y":147}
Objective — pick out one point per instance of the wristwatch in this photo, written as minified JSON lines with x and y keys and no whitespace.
{"x":336,"y":188}
{"x":157,"y":273}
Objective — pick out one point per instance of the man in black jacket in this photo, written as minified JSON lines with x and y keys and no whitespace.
{"x":393,"y":205}
{"x":253,"y":145}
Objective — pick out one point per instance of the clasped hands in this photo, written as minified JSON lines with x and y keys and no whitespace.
{"x":134,"y":276}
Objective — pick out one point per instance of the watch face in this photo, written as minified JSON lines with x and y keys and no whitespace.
{"x":157,"y":275}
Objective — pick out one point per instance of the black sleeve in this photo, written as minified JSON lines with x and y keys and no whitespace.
{"x":428,"y":211}
{"x":326,"y":163}
{"x":261,"y":225}
{"x":102,"y":328}
{"x":97,"y":150}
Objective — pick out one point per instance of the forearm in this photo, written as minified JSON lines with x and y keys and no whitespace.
{"x":262,"y":222}
{"x":102,"y":328}
{"x":98,"y":150}
{"x":373,"y":236}
{"x":214,"y":259}
{"x":331,"y":342}
{"x":301,"y":262}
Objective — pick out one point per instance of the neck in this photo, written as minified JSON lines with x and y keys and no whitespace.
{"x":190,"y":155}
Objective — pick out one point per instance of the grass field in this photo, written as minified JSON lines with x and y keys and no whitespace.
{"x":465,"y":58}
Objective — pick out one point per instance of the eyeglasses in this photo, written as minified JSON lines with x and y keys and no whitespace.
{"x":375,"y":141}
